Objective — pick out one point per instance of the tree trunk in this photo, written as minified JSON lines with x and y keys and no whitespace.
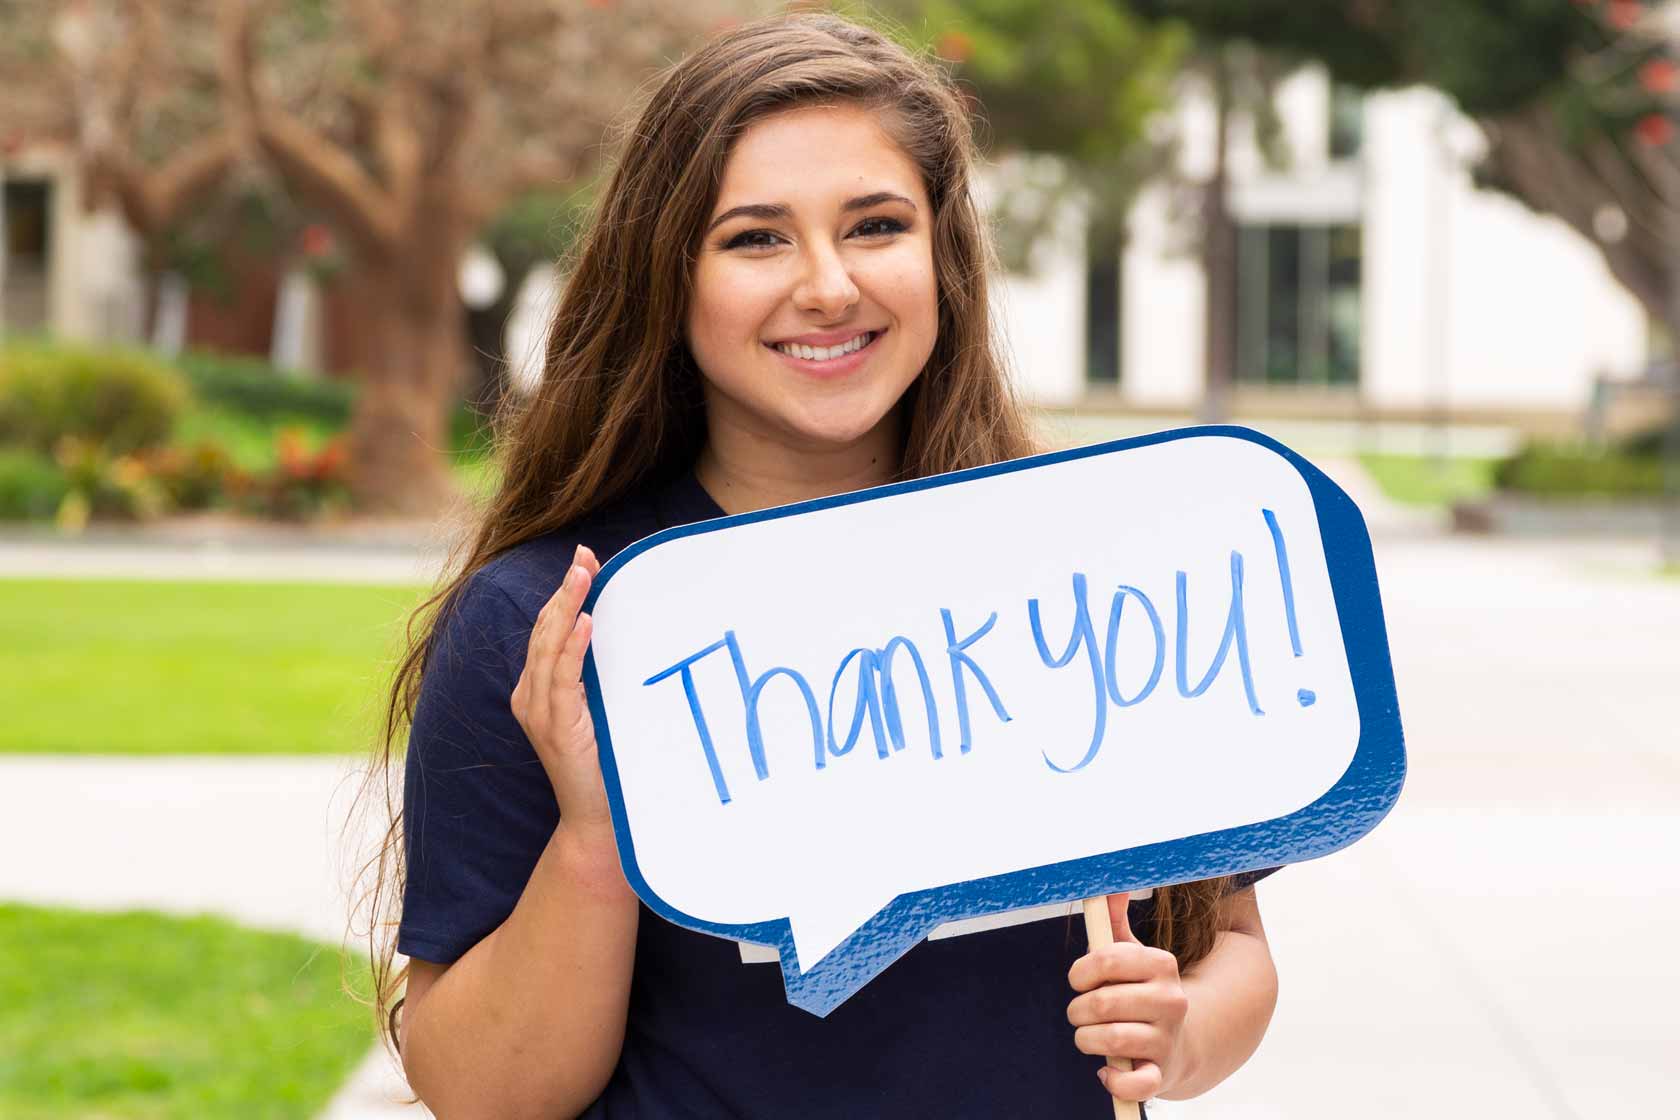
{"x":1219,"y":262}
{"x":399,"y":427}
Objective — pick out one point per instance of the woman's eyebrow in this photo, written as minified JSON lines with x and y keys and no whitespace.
{"x":781,"y":211}
{"x":767,"y":211}
{"x":865,"y":201}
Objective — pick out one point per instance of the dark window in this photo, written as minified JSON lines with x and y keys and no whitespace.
{"x":1347,"y":121}
{"x":1342,"y":304}
{"x":1298,"y":305}
{"x":1102,"y":312}
{"x":25,"y":217}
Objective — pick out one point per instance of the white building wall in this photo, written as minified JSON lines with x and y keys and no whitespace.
{"x":95,"y":289}
{"x":1472,"y":300}
{"x":1403,"y":285}
{"x":1303,"y":108}
{"x":1162,"y":300}
{"x":108,"y":301}
{"x":1041,"y":311}
{"x":1468,"y":298}
{"x":1042,"y":316}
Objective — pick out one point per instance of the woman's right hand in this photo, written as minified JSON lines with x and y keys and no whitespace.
{"x":550,"y":705}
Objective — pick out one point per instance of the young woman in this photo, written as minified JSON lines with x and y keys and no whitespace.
{"x":781,"y":296}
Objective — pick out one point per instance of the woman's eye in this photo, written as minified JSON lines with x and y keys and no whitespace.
{"x":752,"y":239}
{"x":878,"y":227}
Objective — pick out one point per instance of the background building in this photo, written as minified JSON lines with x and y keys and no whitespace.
{"x":63,"y":271}
{"x":1375,"y":279}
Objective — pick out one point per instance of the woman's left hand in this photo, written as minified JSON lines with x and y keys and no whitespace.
{"x":1133,"y":1006}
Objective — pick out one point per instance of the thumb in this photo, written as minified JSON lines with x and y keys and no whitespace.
{"x":1119,"y":916}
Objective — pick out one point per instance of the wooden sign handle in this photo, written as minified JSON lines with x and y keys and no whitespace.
{"x":1099,"y":931}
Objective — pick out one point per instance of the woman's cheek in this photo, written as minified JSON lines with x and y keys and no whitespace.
{"x":731,"y":305}
{"x":752,"y":295}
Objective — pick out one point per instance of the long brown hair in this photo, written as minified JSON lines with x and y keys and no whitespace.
{"x":619,"y":405}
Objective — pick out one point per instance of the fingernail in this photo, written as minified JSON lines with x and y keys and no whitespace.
{"x":1102,"y":1075}
{"x":577,"y":554}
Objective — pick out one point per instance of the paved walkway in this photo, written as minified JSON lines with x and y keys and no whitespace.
{"x":215,"y":557}
{"x":1501,"y":944}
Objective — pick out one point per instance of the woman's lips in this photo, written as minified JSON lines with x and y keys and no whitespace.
{"x":829,"y":367}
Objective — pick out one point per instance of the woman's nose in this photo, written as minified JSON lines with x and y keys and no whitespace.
{"x":826,"y":286}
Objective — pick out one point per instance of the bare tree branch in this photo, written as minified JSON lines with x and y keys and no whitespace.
{"x":322,"y":171}
{"x":1527,"y":152}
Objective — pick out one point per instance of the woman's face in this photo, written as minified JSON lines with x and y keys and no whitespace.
{"x":814,"y":304}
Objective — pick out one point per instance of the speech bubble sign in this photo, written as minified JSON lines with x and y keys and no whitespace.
{"x":830,"y":727}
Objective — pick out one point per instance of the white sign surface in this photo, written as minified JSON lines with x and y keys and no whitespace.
{"x":970,"y":694}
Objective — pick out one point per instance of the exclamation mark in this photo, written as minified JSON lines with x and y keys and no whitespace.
{"x":1306,"y":696}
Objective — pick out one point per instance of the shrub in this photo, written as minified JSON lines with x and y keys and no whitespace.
{"x":1556,"y":470}
{"x":31,"y":485}
{"x":121,"y":399}
{"x":255,"y":388}
{"x":106,"y":485}
{"x":1651,"y":441}
{"x":193,"y":476}
{"x":305,"y":482}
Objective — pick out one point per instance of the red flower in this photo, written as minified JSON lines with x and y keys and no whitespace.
{"x":329,"y":463}
{"x":1659,"y":75}
{"x":317,"y":240}
{"x":291,"y":453}
{"x":955,"y":45}
{"x":1625,"y":13}
{"x":1654,"y":129}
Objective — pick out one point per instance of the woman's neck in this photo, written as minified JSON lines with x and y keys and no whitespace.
{"x":745,"y":471}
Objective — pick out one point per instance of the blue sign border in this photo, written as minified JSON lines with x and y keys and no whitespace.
{"x":1365,"y":793}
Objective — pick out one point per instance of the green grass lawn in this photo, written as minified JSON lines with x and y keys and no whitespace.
{"x":1423,"y":481}
{"x":139,"y":1016}
{"x":107,"y":666}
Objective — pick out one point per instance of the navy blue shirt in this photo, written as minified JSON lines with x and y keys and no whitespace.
{"x":974,"y":1025}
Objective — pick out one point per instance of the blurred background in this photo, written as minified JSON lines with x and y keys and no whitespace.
{"x":265,"y":266}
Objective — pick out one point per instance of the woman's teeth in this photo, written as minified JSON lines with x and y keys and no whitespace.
{"x":823,"y":353}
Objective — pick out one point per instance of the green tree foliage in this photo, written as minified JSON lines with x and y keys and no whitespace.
{"x":1078,"y":82}
{"x":1077,"y":79}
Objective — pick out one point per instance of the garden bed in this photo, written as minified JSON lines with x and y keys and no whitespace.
{"x":90,"y":435}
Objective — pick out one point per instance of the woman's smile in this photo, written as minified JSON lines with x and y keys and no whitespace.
{"x":810,"y":355}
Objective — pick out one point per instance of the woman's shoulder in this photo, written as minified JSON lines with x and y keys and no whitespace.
{"x":484,"y":627}
{"x":529,"y":573}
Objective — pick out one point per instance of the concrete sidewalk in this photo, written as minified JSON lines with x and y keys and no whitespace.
{"x":119,"y":556}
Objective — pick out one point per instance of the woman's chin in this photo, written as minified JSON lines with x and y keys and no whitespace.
{"x":837,"y":432}
{"x":844,"y":421}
